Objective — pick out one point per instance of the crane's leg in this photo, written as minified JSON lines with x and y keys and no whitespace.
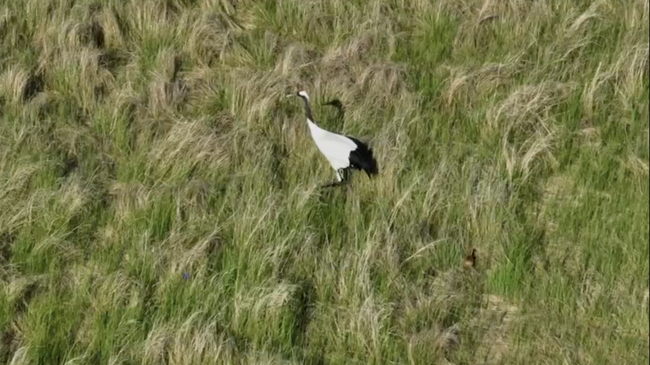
{"x":343,"y":177}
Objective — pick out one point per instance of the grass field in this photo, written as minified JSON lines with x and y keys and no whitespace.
{"x":160,"y":201}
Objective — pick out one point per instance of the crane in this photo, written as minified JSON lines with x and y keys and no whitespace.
{"x":344,"y":153}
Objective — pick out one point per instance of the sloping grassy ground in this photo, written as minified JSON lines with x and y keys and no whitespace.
{"x":159,"y":198}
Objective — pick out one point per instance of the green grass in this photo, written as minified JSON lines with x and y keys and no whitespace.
{"x":159,"y":198}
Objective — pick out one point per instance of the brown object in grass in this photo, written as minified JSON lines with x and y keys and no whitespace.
{"x":470,"y":260}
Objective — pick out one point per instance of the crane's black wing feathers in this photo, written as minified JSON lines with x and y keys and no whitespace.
{"x":362,"y":159}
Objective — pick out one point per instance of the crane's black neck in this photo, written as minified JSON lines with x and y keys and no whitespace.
{"x":307,"y":108}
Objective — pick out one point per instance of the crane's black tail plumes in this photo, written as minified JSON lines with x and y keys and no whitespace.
{"x":362,"y":158}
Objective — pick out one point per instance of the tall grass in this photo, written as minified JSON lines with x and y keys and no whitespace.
{"x":160,"y":204}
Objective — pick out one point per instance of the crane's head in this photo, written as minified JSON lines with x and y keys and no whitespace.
{"x":302,"y":94}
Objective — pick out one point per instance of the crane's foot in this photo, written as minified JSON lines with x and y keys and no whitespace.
{"x":344,"y":175}
{"x":335,"y":184}
{"x":332,"y":184}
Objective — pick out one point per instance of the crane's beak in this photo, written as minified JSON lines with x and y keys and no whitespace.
{"x":289,"y":95}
